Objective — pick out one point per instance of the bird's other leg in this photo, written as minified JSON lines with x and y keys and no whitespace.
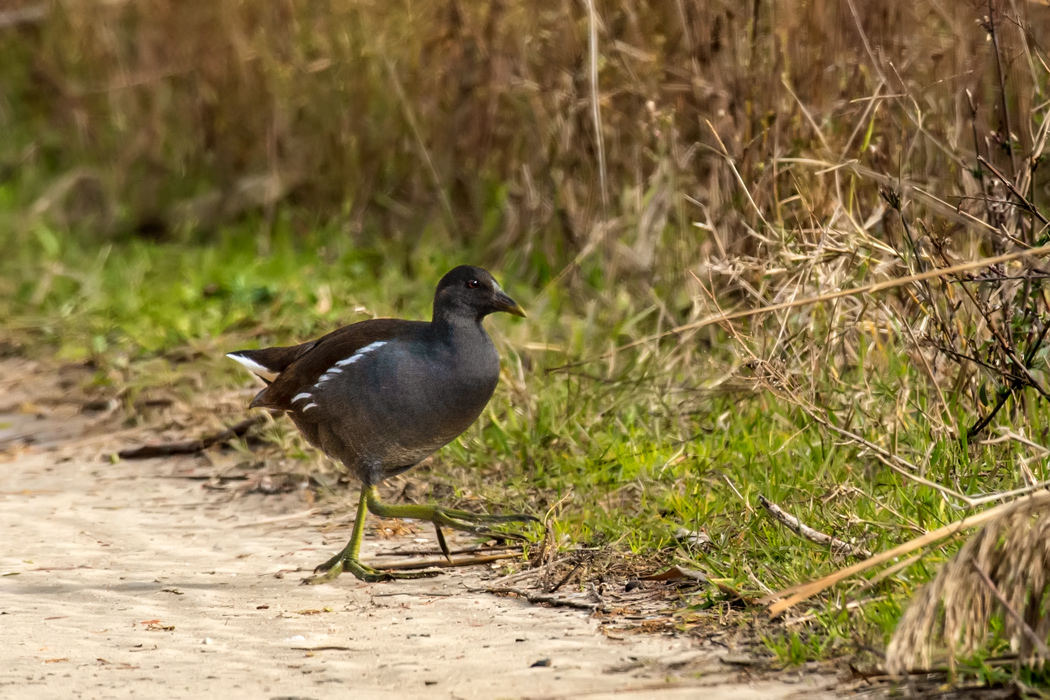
{"x":450,"y":517}
{"x":349,"y":558}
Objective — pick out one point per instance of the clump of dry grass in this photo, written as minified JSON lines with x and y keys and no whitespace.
{"x":1004,"y":570}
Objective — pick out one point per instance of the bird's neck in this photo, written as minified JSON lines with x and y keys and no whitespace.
{"x":450,"y":324}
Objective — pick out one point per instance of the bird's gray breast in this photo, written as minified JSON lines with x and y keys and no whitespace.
{"x":401,"y":402}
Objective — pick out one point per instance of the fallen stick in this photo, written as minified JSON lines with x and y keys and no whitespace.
{"x":548,"y":599}
{"x":802,"y":530}
{"x":801,"y":592}
{"x":465,"y":550}
{"x":186,"y":447}
{"x":443,"y":563}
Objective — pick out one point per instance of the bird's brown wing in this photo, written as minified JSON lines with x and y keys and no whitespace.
{"x":310,"y":361}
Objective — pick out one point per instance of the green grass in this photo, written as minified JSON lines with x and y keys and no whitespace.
{"x":630,"y":450}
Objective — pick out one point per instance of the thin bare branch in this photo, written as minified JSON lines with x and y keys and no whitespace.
{"x":802,"y":530}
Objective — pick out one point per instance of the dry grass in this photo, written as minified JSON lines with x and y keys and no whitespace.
{"x":1004,"y":572}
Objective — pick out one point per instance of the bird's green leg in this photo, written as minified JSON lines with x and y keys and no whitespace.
{"x":349,"y":558}
{"x":450,"y":517}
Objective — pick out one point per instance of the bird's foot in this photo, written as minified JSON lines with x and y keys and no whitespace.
{"x":473,"y":523}
{"x":449,"y":517}
{"x":476,"y":522}
{"x":331,"y":569}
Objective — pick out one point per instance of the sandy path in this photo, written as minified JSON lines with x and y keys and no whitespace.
{"x":120,"y":581}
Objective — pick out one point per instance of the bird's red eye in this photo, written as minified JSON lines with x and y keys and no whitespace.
{"x":473,"y":284}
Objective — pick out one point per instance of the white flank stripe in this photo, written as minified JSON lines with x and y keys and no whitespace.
{"x":359,"y":354}
{"x":372,"y":346}
{"x":308,"y":406}
{"x":251,"y":365}
{"x":300,"y":397}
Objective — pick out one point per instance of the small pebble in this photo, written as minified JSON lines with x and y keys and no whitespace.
{"x":542,"y":663}
{"x":631,"y":585}
{"x":207,"y":640}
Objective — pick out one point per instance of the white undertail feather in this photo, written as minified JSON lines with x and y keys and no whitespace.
{"x":252,"y":366}
{"x":301,"y":397}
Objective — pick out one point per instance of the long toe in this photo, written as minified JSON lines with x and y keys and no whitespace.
{"x":486,"y":517}
{"x":442,"y":543}
{"x":332,"y":563}
{"x":475,"y":522}
{"x":370,"y":575}
{"x":328,"y":572}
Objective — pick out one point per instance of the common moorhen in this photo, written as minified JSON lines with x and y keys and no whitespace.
{"x":382,"y":395}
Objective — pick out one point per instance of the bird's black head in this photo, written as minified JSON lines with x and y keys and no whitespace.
{"x":470,"y":292}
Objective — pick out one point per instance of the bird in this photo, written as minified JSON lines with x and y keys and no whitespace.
{"x":382,"y":395}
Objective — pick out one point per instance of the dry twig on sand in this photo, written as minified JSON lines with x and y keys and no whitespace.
{"x":185,"y":447}
{"x":443,"y":563}
{"x":557,"y":601}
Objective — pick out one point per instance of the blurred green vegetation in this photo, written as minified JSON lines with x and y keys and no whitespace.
{"x":178,"y":180}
